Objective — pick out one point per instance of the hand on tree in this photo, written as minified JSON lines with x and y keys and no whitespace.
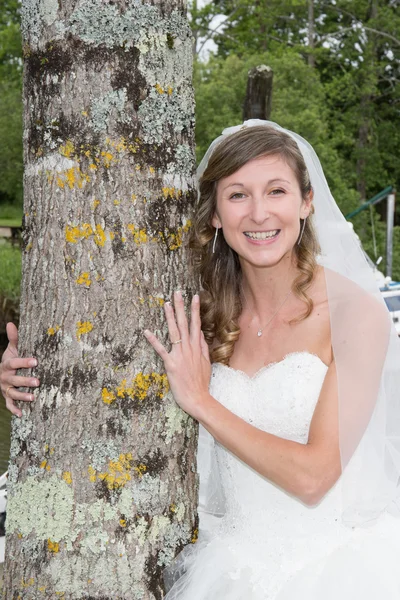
{"x":9,"y":380}
{"x":188,"y":364}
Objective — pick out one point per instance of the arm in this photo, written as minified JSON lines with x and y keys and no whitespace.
{"x":9,"y":380}
{"x":307,"y":471}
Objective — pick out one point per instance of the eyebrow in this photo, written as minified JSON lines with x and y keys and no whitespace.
{"x":277,"y":180}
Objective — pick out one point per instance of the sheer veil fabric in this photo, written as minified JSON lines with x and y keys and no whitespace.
{"x":366,"y":350}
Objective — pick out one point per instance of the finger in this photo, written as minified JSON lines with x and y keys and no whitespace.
{"x":205,"y":350}
{"x":20,"y":381}
{"x":13,"y":409}
{"x":12,"y":364}
{"x":195,"y":322}
{"x":157,"y":345}
{"x":12,"y":334}
{"x":14,"y":394}
{"x":181,"y":317}
{"x":173,"y":330}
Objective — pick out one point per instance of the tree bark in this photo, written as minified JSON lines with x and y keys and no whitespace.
{"x":258,"y":101}
{"x":311,"y":34}
{"x":102,"y":479}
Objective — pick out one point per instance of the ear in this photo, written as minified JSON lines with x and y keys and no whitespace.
{"x":215,"y":222}
{"x":306,"y":205}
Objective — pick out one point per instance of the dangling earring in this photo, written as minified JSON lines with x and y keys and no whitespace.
{"x":215,"y":239}
{"x":302,"y":231}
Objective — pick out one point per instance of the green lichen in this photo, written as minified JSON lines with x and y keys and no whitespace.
{"x":98,"y":23}
{"x":102,"y":108}
{"x":176,"y":421}
{"x":158,"y":111}
{"x":184,"y":162}
{"x":101,"y":452}
{"x":44,"y":507}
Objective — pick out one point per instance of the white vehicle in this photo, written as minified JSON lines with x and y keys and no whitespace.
{"x":391,"y":295}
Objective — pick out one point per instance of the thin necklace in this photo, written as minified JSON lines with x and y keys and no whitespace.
{"x":259,"y":332}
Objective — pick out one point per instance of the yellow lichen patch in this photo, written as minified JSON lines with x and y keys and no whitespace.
{"x":53,"y":330}
{"x":111,"y":235}
{"x":100,"y":236}
{"x":139,"y":388}
{"x":84,"y":113}
{"x":159,"y":88}
{"x":195,"y":536}
{"x":68,"y":150}
{"x":74,"y":234}
{"x":84,"y":279}
{"x":122,"y":522}
{"x":28,"y":247}
{"x":118,"y":473}
{"x":108,"y":396}
{"x":83,"y":327}
{"x":169,"y":90}
{"x":152,"y":170}
{"x":140,"y":469}
{"x":108,"y":158}
{"x":67,"y":477}
{"x":42,"y":588}
{"x":133,"y":197}
{"x":72,"y":177}
{"x":117,"y":202}
{"x":28,"y":583}
{"x":53,"y":546}
{"x":92,"y":473}
{"x":95,"y":204}
{"x":139,"y":235}
{"x":138,"y":167}
{"x":92,"y":167}
{"x":175,"y":239}
{"x":156,"y":301}
{"x":172,"y":508}
{"x":43,"y":464}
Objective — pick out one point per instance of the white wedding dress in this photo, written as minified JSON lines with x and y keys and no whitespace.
{"x":268,"y":545}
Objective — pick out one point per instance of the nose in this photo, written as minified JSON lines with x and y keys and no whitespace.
{"x":259,"y":210}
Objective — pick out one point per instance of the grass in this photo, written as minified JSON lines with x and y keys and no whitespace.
{"x":10,"y":272}
{"x":10,"y":214}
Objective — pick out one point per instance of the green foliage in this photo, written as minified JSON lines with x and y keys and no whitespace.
{"x":346,"y":105}
{"x":10,"y":104}
{"x":10,"y":271}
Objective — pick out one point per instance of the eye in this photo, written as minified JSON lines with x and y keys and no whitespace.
{"x":236,"y":196}
{"x":277,"y":191}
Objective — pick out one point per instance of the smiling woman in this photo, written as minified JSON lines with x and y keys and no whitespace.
{"x":299,"y":426}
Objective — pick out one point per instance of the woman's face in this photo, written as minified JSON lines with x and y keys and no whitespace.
{"x":259,"y":208}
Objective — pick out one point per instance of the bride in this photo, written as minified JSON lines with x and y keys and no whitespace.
{"x":291,"y":366}
{"x":298,"y":396}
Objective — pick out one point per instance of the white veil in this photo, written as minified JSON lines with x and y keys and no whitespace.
{"x":367,"y":356}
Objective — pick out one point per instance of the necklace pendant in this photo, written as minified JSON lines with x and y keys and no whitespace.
{"x":259,"y":333}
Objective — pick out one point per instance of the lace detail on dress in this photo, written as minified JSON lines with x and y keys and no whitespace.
{"x":267,"y":545}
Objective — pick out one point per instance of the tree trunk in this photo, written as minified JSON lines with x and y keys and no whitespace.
{"x":311,"y":34}
{"x":258,"y":101}
{"x":102,"y":479}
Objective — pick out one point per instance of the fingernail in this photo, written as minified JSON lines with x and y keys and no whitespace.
{"x":146,"y":332}
{"x":196,"y":298}
{"x":33,"y":362}
{"x":34,"y":382}
{"x":178,"y":293}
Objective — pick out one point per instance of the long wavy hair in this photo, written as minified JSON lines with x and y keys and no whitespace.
{"x":220,"y":272}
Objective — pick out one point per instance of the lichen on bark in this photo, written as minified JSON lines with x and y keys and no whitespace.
{"x":100,"y":499}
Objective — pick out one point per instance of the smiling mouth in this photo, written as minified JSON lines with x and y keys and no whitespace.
{"x":261,"y":235}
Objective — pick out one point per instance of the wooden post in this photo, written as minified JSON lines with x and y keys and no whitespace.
{"x":258,"y":102}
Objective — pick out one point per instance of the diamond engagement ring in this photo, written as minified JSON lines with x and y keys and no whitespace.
{"x":177,"y":342}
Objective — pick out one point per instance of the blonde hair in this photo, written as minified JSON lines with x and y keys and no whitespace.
{"x":220,"y":272}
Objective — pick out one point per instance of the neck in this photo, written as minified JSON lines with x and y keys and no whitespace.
{"x":265,"y":288}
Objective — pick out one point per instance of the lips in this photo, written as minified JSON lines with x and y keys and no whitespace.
{"x":262,"y":235}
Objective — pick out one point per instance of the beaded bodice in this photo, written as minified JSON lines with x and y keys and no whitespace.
{"x":279,"y":399}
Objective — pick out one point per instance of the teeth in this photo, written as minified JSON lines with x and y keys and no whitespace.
{"x":258,"y":235}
